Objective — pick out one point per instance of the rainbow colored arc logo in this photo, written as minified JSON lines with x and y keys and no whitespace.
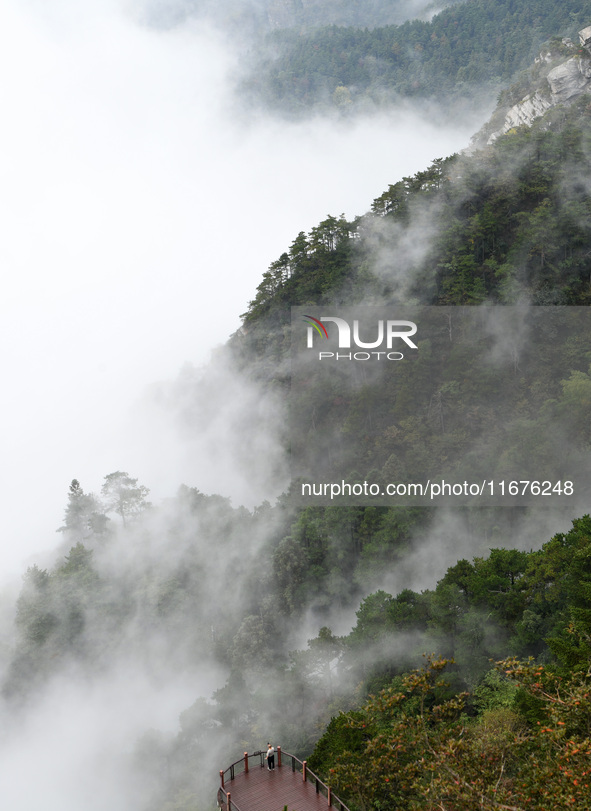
{"x":318,"y":325}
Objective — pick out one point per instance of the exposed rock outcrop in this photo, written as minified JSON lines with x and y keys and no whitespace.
{"x":563,"y":83}
{"x":568,"y":79}
{"x":529,"y":108}
{"x":585,"y":37}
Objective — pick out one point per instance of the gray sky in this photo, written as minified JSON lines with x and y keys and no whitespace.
{"x":138,"y":215}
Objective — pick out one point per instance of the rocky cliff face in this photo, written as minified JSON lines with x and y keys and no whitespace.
{"x":563,"y":83}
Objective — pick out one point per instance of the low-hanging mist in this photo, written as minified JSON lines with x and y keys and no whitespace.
{"x":140,"y":209}
{"x":159,"y":634}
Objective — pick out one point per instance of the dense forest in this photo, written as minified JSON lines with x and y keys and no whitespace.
{"x":505,"y":225}
{"x":419,"y":735}
{"x":468,"y":690}
{"x":255,"y":17}
{"x":468,"y":49}
{"x":306,"y":14}
{"x":511,"y":220}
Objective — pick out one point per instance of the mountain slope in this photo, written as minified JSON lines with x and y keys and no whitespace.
{"x":197,"y":586}
{"x":465,"y":51}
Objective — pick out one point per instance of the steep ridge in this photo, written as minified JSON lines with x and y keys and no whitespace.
{"x":465,"y":53}
{"x":556,"y":80}
{"x":508,"y":223}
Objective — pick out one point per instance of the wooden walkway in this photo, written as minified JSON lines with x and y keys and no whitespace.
{"x":259,"y":789}
{"x":262,"y":790}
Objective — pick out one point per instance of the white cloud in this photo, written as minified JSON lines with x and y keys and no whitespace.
{"x":139,"y":214}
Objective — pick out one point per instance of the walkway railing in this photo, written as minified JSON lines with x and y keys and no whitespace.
{"x":242,"y":766}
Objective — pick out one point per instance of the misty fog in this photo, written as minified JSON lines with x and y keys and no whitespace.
{"x":141,"y":203}
{"x":139,"y":215}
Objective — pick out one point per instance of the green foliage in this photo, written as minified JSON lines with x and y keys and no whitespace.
{"x":124,"y":496}
{"x":51,"y":619}
{"x":511,"y":600}
{"x":456,"y":53}
{"x":340,"y":735}
{"x":411,"y":747}
{"x":84,"y":516}
{"x":382,"y":768}
{"x":72,"y":614}
{"x":509,"y":220}
{"x":315,"y":264}
{"x":251,"y":650}
{"x":494,"y":691}
{"x":506,"y":223}
{"x":329,"y":554}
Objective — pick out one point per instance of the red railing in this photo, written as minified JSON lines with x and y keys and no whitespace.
{"x":242,"y":766}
